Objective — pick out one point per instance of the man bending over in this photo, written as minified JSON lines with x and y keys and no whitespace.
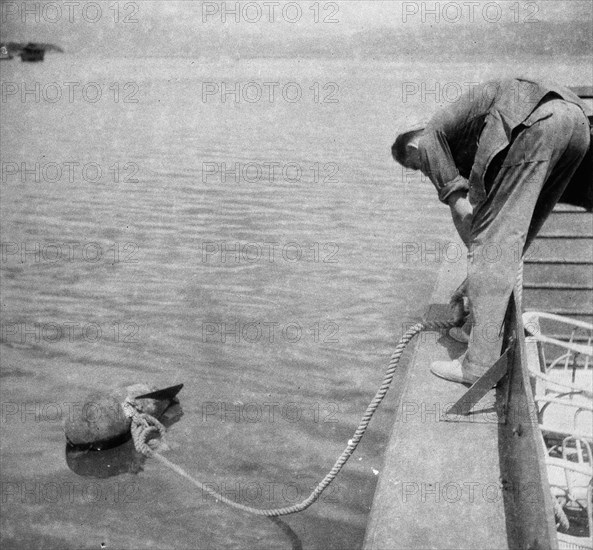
{"x":501,"y":158}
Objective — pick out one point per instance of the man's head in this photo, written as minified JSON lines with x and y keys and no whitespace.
{"x":405,"y":149}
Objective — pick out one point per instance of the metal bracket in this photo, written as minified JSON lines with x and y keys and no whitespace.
{"x":464,"y":406}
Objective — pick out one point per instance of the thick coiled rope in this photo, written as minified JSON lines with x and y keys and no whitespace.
{"x":144,"y":425}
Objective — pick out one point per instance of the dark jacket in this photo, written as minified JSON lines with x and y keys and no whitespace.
{"x":460,"y":142}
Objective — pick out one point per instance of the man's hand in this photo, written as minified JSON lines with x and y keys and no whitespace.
{"x":459,"y":307}
{"x":461,"y":211}
{"x":459,"y":303}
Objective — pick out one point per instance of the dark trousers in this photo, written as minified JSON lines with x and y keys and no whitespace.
{"x":540,"y":161}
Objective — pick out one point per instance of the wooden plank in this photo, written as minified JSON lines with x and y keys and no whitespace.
{"x":566,"y":249}
{"x":554,"y":298}
{"x":528,"y":502}
{"x":575,"y":222}
{"x":557,"y":274}
{"x":558,"y":271}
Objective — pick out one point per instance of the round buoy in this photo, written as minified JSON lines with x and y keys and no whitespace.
{"x":99,"y":423}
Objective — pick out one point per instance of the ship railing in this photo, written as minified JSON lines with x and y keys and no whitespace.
{"x":571,"y":370}
{"x":571,"y":485}
{"x":560,"y":417}
{"x":563,"y":395}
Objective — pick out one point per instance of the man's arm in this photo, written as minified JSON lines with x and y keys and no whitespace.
{"x":461,"y":211}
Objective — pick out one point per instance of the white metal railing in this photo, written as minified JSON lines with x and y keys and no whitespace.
{"x":565,"y":410}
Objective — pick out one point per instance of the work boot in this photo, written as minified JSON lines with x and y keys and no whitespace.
{"x":455,"y":371}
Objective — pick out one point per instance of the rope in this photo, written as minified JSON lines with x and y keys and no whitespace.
{"x":519,"y":285}
{"x":143,"y":425}
{"x":560,"y":514}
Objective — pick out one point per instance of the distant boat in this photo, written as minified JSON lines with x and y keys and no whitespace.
{"x":32,"y":52}
{"x":4,"y":53}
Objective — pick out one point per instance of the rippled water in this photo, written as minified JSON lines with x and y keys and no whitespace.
{"x":123,"y":281}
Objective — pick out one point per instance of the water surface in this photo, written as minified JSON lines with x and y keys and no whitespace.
{"x":265,"y":415}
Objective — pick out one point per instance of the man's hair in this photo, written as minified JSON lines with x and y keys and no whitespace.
{"x":398,"y":149}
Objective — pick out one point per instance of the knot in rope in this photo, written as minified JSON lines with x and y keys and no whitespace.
{"x":143,"y":425}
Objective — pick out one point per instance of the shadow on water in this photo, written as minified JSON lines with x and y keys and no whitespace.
{"x":123,"y":459}
{"x":295,"y":541}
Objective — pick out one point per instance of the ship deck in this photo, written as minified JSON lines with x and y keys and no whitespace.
{"x":466,"y":482}
{"x":440,"y":486}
